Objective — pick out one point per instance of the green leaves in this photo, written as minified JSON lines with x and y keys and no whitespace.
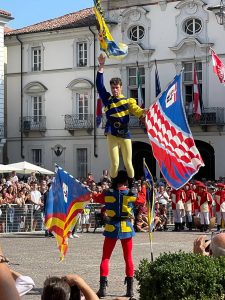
{"x":182,"y":276}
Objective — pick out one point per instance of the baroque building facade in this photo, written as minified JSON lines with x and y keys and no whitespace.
{"x":51,"y":93}
{"x":5,"y":17}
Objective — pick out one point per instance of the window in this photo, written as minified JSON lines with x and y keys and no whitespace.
{"x":37,"y":156}
{"x":188,"y":84}
{"x":192,"y":26}
{"x":82,"y":105}
{"x":82,"y":162}
{"x":36,"y":59}
{"x":82,"y":54}
{"x":136,"y":33}
{"x":37,"y":108}
{"x":133,"y":81}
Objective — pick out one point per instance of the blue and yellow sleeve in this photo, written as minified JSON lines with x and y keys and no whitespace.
{"x":134,"y":109}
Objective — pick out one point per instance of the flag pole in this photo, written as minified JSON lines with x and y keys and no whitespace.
{"x":150,"y":215}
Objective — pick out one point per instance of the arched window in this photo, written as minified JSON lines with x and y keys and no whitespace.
{"x":192,"y":26}
{"x":136,"y":33}
{"x":35,"y":92}
{"x":81,"y":94}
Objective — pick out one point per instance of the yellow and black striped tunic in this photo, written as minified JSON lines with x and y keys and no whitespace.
{"x":117,"y":110}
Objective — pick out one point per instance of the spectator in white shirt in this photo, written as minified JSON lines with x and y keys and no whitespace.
{"x":14,"y":177}
{"x":36,"y":199}
{"x":162,"y":196}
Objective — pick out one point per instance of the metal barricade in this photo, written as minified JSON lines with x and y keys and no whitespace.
{"x":170,"y":214}
{"x":95,"y":208}
{"x":16,"y":218}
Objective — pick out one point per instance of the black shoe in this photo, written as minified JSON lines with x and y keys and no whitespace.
{"x":102,"y":289}
{"x":130,"y":283}
{"x":175,"y":227}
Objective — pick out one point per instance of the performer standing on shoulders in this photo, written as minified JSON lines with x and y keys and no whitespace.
{"x":119,"y":205}
{"x":118,"y":109}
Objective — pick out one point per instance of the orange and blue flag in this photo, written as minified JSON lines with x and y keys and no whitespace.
{"x":67,"y":198}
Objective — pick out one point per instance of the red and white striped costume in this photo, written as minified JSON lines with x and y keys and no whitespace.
{"x":220,"y":204}
{"x":178,"y":198}
{"x":205,"y":204}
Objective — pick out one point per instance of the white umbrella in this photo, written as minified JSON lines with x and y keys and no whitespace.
{"x":25,"y":167}
{"x":7,"y":169}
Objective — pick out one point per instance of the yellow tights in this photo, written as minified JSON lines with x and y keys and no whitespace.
{"x":114,"y":143}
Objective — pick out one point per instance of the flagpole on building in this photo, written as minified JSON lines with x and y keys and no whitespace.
{"x":157,"y":81}
{"x":149,"y":198}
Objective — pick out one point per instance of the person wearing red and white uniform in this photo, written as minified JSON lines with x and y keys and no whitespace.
{"x":178,"y":198}
{"x":196,"y":207}
{"x":220,"y":204}
{"x":205,"y":203}
{"x":189,"y":204}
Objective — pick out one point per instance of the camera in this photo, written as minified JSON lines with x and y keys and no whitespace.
{"x":208,"y":247}
{"x":75,"y":293}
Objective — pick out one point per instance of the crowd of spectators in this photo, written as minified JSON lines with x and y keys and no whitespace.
{"x":22,"y":203}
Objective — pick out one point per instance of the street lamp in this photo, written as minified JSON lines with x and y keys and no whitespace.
{"x":219,"y":11}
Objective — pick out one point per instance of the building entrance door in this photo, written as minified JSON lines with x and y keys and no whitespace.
{"x":142,"y":150}
{"x":208,"y":155}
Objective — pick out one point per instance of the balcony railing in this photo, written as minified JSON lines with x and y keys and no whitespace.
{"x":2,"y":131}
{"x":79,"y":121}
{"x":210,"y":116}
{"x":33,"y":124}
{"x":134,"y":123}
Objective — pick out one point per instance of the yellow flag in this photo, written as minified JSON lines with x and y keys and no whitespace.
{"x":107,"y":43}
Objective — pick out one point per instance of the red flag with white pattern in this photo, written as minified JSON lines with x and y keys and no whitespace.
{"x":196,"y":104}
{"x":218,"y":67}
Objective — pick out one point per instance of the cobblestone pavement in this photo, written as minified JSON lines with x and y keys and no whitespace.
{"x":38,"y":257}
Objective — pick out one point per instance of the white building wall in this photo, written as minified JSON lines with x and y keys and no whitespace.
{"x":1,"y":73}
{"x":60,"y":69}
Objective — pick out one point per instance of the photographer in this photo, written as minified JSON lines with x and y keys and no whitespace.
{"x":69,"y":287}
{"x":8,"y":289}
{"x":214,"y":247}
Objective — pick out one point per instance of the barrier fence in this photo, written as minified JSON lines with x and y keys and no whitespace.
{"x":16,"y":218}
{"x":29,"y":217}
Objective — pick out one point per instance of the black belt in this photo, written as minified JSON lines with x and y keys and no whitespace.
{"x":118,"y":125}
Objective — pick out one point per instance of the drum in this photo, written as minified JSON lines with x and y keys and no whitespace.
{"x":198,"y":224}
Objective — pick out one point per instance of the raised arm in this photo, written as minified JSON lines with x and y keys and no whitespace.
{"x":104,"y":95}
{"x":101,"y":63}
{"x":74,"y":279}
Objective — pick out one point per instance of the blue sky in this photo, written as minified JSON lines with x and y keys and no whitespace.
{"x":28,"y":12}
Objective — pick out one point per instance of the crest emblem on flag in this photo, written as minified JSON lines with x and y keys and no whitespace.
{"x":65,"y":191}
{"x":171,"y":95}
